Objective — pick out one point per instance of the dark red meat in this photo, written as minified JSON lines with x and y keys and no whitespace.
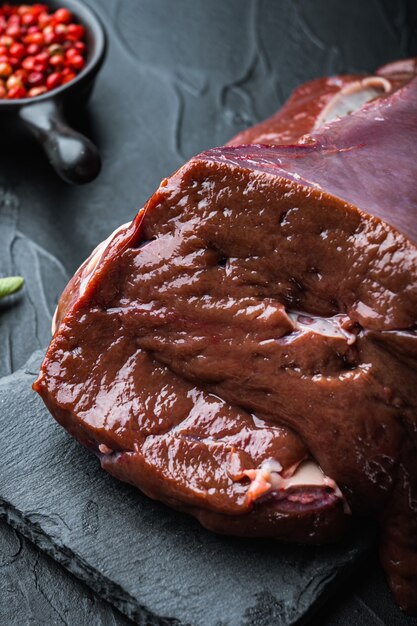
{"x":246,"y":350}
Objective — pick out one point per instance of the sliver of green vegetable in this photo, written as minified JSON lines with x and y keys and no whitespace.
{"x":10,"y":284}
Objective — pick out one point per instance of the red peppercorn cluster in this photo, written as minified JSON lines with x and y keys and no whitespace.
{"x":39,"y":50}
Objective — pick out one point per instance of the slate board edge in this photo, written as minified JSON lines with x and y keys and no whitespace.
{"x":102,"y":585}
{"x":113,"y":593}
{"x":341,"y":575}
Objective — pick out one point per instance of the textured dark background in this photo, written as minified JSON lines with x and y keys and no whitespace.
{"x":181,"y":76}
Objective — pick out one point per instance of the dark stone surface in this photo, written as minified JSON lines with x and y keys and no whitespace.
{"x":364,"y":602}
{"x":180,"y":77}
{"x":35,"y":590}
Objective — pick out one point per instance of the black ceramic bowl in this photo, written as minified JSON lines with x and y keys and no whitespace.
{"x":73,"y":156}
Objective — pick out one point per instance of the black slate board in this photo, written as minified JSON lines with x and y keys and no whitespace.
{"x":180,"y":77}
{"x":35,"y":590}
{"x":156,"y":565}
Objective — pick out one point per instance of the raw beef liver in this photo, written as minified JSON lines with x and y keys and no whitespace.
{"x":245,"y":350}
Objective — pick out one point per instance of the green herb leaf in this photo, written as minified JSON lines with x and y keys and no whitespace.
{"x":10,"y":284}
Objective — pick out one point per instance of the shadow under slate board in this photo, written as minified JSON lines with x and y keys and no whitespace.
{"x":156,"y":565}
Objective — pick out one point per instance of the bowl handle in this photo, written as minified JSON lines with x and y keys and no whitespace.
{"x":74,"y":157}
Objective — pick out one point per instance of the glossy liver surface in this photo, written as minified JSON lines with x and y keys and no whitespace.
{"x":245,"y":349}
